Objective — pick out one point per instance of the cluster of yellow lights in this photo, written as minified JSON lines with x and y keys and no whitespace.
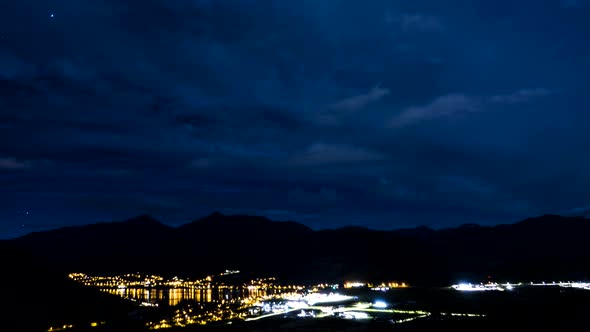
{"x":127,"y":280}
{"x":223,"y":312}
{"x":132,"y":280}
{"x":60,"y":328}
{"x":409,"y":319}
{"x":456,"y":314}
{"x":71,"y":326}
{"x":391,"y":284}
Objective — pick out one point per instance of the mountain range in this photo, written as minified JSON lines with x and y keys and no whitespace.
{"x":548,"y":248}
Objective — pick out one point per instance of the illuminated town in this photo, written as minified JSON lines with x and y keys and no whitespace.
{"x":211,"y":300}
{"x":469,"y":287}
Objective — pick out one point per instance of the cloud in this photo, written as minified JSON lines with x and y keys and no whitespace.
{"x":448,"y":105}
{"x":521,"y":96}
{"x":360,"y":101}
{"x":310,"y":198}
{"x":324,"y":154}
{"x":13,"y":164}
{"x":248,"y":95}
{"x":442,"y":106}
{"x":334,"y":113}
{"x":217,"y":189}
{"x":419,"y":22}
{"x":454,"y":184}
{"x":578,"y":211}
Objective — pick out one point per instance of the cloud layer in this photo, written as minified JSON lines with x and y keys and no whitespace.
{"x":389,"y":114}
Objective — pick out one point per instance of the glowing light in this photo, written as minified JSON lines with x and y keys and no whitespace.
{"x":296,"y":304}
{"x":316,"y":298}
{"x":380,"y":304}
{"x":355,"y":315}
{"x":354,"y":284}
{"x":477,"y":288}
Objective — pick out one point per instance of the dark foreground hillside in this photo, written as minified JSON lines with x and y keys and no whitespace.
{"x":35,"y":297}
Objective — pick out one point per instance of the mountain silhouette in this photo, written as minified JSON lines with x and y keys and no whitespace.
{"x":548,"y":247}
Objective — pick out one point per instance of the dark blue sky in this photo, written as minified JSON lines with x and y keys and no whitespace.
{"x":380,"y":113}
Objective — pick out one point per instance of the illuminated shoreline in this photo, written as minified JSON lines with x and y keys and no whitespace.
{"x":254,"y":300}
{"x":482,"y":287}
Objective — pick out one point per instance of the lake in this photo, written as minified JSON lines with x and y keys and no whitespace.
{"x":174,"y":296}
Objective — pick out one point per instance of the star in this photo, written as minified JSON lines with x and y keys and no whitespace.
{"x":51,"y":15}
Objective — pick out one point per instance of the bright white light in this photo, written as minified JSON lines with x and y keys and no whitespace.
{"x":355,"y":315}
{"x":52,"y":16}
{"x":582,"y":285}
{"x":477,"y":288}
{"x":296,"y":304}
{"x":465,"y":287}
{"x":380,"y":304}
{"x":315,"y":298}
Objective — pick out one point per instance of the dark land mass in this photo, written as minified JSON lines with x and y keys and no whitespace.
{"x":36,"y":297}
{"x":544,"y":248}
{"x":38,"y":293}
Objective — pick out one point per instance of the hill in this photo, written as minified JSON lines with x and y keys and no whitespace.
{"x":37,"y":297}
{"x":541,"y":248}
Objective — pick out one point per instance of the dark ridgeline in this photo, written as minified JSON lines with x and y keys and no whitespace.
{"x":543,"y":248}
{"x":35,"y":296}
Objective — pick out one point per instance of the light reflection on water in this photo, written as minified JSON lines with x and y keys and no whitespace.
{"x":173,"y":296}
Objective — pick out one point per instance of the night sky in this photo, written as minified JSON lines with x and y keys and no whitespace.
{"x":386,"y":114}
